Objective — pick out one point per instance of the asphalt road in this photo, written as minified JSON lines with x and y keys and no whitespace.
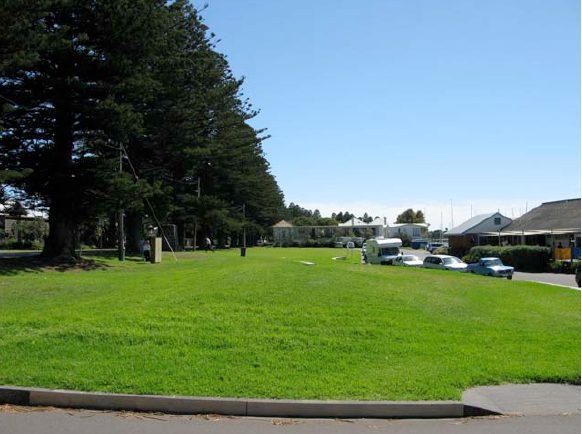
{"x":18,"y":420}
{"x":548,"y":278}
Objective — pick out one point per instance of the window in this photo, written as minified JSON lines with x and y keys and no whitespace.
{"x":497,"y":221}
{"x":416,"y":232}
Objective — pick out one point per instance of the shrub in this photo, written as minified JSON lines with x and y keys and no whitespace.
{"x":523,"y":258}
{"x":565,"y":267}
{"x":406,"y":240}
{"x":310,"y":242}
{"x":442,"y":250}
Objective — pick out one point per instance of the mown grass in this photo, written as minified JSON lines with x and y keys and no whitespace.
{"x":216,"y":324}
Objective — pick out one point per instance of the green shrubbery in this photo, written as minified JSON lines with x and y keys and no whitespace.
{"x":27,"y":234}
{"x":319,"y":242}
{"x":523,"y":258}
{"x":442,"y":250}
{"x":565,"y":267}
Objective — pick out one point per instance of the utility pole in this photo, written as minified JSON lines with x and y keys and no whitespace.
{"x":196,"y":220}
{"x":243,"y":250}
{"x":120,"y":228}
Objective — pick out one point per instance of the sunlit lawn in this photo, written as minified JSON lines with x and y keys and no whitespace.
{"x":216,"y":324}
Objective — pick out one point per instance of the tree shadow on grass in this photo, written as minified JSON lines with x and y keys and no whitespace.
{"x":10,"y":266}
{"x":111,"y":254}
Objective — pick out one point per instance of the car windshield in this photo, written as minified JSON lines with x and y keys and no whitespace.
{"x":451,"y":261}
{"x":492,"y":263}
{"x":388,"y":251}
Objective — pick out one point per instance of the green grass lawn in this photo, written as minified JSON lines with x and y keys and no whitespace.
{"x":216,"y":324}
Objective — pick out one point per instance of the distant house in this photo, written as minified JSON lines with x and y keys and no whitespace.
{"x":285,"y":233}
{"x":282,"y":231}
{"x":551,"y":224}
{"x":22,"y":229}
{"x":411,"y":230}
{"x":478,"y":230}
{"x":9,"y":222}
{"x":376,"y":228}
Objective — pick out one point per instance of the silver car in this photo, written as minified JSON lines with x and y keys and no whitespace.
{"x":407,"y":261}
{"x":444,"y":262}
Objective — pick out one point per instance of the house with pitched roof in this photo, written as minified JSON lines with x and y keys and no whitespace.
{"x":376,"y":228}
{"x":282,"y":231}
{"x":552,"y":224}
{"x":409,"y":230}
{"x":479,"y":230}
{"x":285,"y":233}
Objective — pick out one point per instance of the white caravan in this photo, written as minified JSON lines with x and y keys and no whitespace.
{"x":382,"y":251}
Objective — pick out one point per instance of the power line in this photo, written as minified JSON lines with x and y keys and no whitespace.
{"x":148,"y":203}
{"x":8,"y":100}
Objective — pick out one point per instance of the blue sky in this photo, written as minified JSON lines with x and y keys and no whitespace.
{"x":382,"y":105}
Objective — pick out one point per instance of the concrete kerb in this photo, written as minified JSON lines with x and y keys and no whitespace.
{"x":238,"y":407}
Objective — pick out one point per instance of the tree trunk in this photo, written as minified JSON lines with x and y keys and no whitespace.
{"x":63,"y":213}
{"x":61,"y":239}
{"x":134,"y":231}
{"x":180,"y":228}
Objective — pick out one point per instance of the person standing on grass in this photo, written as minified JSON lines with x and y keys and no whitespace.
{"x":207,"y":244}
{"x":146,"y":250}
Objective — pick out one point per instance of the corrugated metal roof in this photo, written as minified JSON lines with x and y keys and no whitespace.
{"x":469,"y":224}
{"x":561,"y":214}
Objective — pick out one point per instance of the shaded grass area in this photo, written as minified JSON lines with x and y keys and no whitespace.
{"x":15,"y":265}
{"x":216,"y":324}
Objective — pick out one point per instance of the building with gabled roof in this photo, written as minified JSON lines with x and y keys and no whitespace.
{"x":376,"y":227}
{"x":551,"y":224}
{"x":476,"y":231}
{"x":286,"y":234}
{"x":409,"y":230}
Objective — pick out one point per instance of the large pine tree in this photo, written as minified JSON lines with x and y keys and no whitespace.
{"x":79,"y":81}
{"x":72,"y":77}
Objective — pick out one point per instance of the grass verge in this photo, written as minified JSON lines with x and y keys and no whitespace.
{"x":216,"y":324}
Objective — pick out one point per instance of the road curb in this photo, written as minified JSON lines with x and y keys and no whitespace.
{"x":238,"y":407}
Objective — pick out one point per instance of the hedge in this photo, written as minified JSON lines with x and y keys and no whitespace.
{"x":523,"y":258}
{"x":320,"y":242}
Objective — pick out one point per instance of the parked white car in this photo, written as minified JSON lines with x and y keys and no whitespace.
{"x":444,"y":262}
{"x":407,"y":261}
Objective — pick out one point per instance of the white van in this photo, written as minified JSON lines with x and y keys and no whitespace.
{"x":382,"y":251}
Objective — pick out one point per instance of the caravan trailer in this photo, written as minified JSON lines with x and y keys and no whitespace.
{"x":383,"y":251}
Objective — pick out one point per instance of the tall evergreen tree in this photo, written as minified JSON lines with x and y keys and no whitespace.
{"x":72,"y":76}
{"x":84,"y":84}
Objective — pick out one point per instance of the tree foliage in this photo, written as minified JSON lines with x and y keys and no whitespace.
{"x":83,"y":83}
{"x":410,"y":216}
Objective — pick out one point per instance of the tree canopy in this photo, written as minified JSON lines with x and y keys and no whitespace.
{"x":107,"y":104}
{"x":411,"y":216}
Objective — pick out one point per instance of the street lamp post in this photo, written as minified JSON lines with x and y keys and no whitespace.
{"x":120,"y":226}
{"x":196,"y":220}
{"x":243,"y":249}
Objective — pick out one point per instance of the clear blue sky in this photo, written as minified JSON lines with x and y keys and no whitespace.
{"x":383,"y":105}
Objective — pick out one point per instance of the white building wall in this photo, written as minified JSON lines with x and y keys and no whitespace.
{"x":396,"y":231}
